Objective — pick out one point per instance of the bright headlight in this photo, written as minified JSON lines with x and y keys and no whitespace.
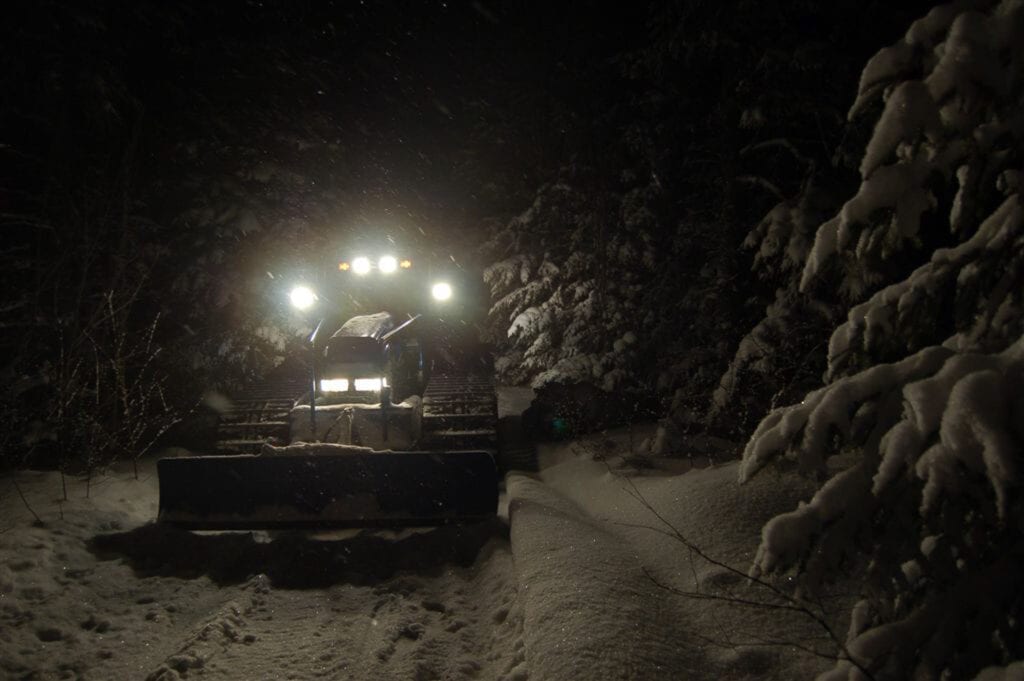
{"x":441,"y":291}
{"x":370,"y":384}
{"x":361,"y":265}
{"x":302,"y":297}
{"x":334,"y":385}
{"x":387,"y":264}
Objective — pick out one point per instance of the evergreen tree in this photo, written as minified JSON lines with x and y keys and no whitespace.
{"x":917,"y":431}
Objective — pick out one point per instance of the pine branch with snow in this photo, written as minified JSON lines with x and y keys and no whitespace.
{"x":958,"y":123}
{"x":568,"y":290}
{"x":917,"y":433}
{"x":782,"y":353}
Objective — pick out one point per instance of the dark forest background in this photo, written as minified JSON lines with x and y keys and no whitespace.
{"x":169,"y":170}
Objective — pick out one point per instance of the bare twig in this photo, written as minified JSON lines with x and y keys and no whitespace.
{"x":17,"y":487}
{"x":697,"y":595}
{"x":764,"y":183}
{"x":791,"y":603}
{"x":723,"y":638}
{"x":796,"y":375}
{"x":779,"y":143}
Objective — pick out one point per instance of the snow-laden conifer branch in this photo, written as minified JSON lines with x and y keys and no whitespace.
{"x":917,"y":433}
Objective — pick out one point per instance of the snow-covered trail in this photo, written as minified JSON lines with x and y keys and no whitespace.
{"x":102,"y":593}
{"x":446,"y":621}
{"x":571,"y":580}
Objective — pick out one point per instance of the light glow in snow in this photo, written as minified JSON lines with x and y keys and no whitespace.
{"x":387,"y":264}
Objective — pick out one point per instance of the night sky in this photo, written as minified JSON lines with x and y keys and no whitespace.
{"x":416,"y":105}
{"x":429,"y":116}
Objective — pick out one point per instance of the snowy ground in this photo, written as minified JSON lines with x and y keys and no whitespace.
{"x":576,"y":585}
{"x":104,"y":594}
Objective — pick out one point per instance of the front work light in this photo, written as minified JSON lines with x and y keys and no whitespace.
{"x":387,"y":264}
{"x":302,"y":297}
{"x":334,"y":385}
{"x":341,"y":385}
{"x":441,"y":291}
{"x":361,"y":265}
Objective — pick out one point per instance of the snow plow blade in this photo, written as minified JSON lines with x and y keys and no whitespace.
{"x":375,"y":489}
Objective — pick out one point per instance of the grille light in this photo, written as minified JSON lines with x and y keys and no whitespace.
{"x":370,"y":384}
{"x":334,"y":385}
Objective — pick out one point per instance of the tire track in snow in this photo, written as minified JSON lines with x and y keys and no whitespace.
{"x":457,"y":623}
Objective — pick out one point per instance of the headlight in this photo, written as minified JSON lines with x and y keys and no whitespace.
{"x":370,"y":384}
{"x":387,"y":264}
{"x":302,"y":297}
{"x":441,"y":291}
{"x":334,"y":385}
{"x":361,"y":265}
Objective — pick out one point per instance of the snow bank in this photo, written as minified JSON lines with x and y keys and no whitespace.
{"x":588,"y":608}
{"x":601,"y":573}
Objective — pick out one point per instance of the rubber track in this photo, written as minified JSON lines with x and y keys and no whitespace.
{"x":460,"y":412}
{"x":260,"y":416}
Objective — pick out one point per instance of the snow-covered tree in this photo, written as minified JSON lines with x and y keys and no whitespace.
{"x":569,"y":285}
{"x":917,"y":433}
{"x":781,"y":356}
{"x":708,"y":129}
{"x":774,"y":137}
